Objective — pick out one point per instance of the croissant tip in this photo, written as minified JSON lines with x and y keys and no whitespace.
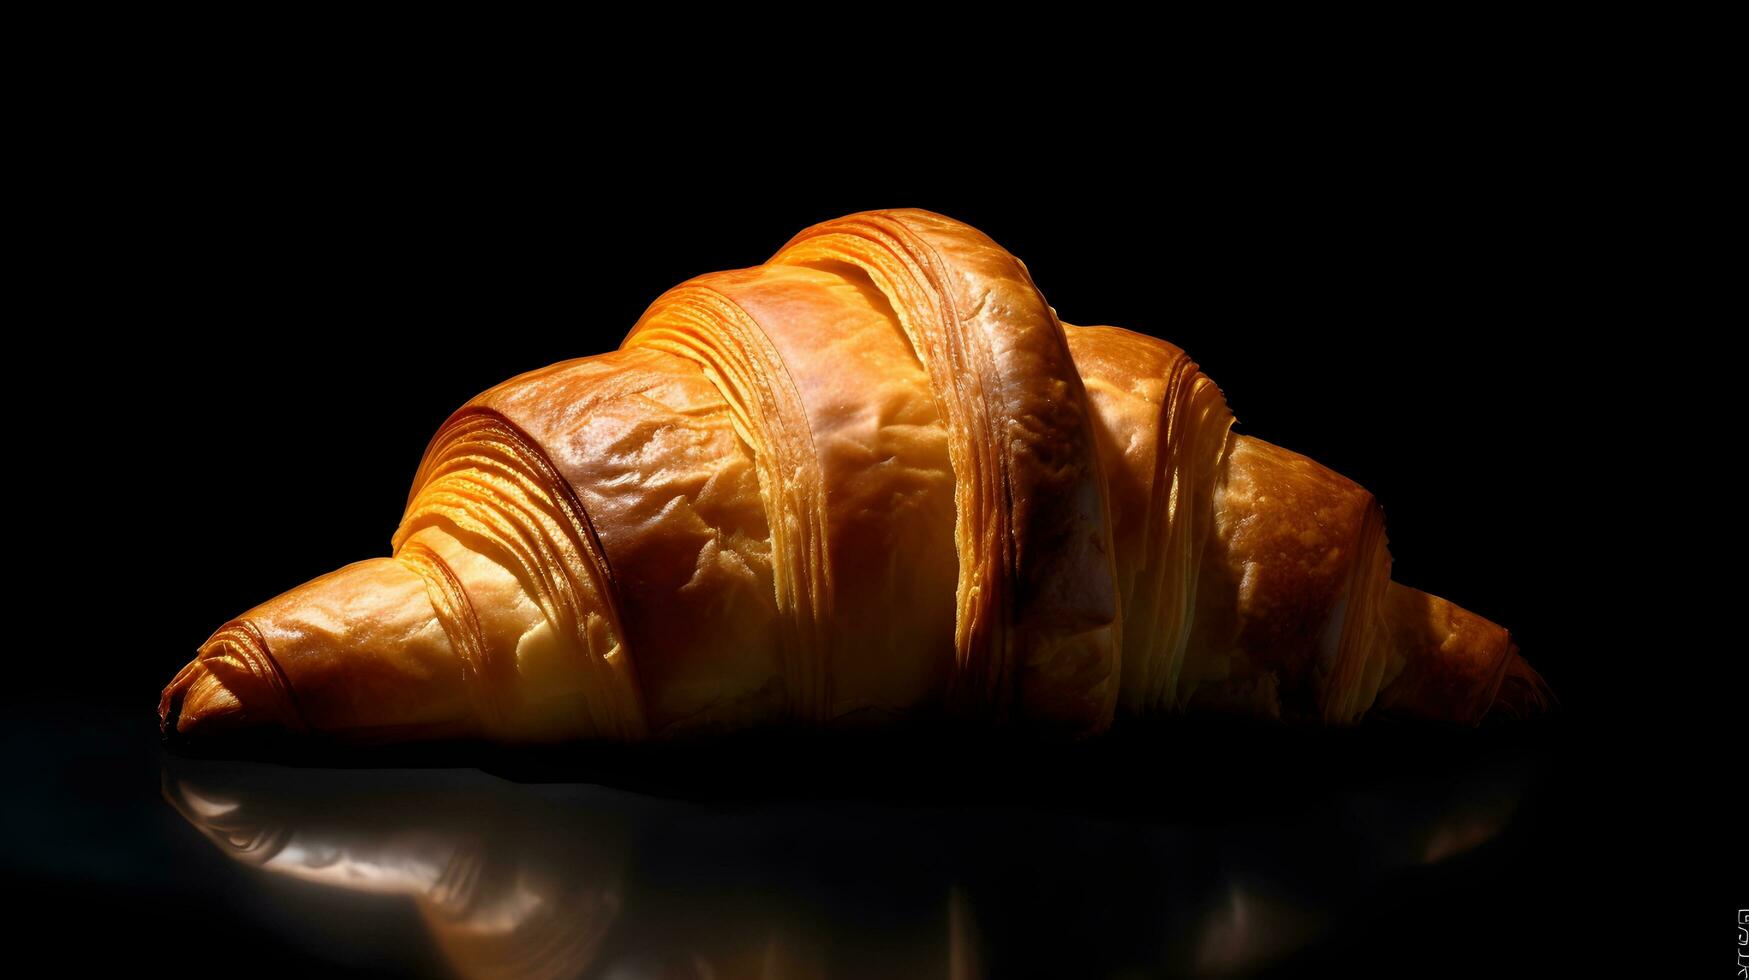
{"x":171,"y":699}
{"x":197,"y":705}
{"x":1523,"y":692}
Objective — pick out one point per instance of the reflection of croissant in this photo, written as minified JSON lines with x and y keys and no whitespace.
{"x":874,"y":477}
{"x":517,"y":880}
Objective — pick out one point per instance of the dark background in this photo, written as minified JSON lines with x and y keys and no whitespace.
{"x":309,"y":306}
{"x":281,"y":293}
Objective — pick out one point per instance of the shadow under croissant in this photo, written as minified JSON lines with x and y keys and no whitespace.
{"x":974,"y":877}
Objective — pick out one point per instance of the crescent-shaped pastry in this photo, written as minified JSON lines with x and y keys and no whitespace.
{"x":872,"y":481}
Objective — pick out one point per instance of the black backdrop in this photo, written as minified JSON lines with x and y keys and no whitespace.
{"x":297,"y":318}
{"x":280,"y":309}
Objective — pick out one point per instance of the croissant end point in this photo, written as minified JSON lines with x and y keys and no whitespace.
{"x":196,"y":703}
{"x":1523,"y":692}
{"x":170,"y":701}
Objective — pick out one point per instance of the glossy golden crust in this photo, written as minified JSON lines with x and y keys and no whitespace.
{"x":1163,"y":430}
{"x":868,"y":434}
{"x":1452,"y":661}
{"x":648,"y":446}
{"x":1037,"y":628}
{"x":1295,"y":556}
{"x":358,"y":649}
{"x":873,"y":478}
{"x":486,"y":480}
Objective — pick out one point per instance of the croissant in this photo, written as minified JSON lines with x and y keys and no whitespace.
{"x":873,"y":480}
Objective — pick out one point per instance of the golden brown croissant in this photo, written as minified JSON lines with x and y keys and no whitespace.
{"x":874,"y":478}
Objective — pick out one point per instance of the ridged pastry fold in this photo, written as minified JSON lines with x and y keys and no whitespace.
{"x":484,"y":478}
{"x":655,"y":455}
{"x":356,"y":653}
{"x":698,"y":323}
{"x":1164,"y":428}
{"x":861,"y":466}
{"x":1037,"y":628}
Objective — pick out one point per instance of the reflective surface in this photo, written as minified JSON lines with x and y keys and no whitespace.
{"x":1191,"y":850}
